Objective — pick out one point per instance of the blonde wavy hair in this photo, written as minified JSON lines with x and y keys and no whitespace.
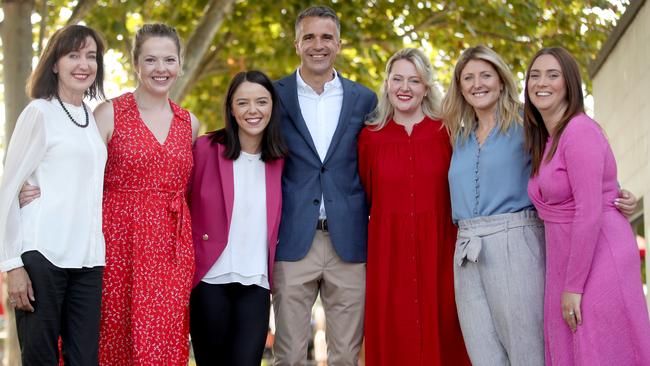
{"x":431,"y":101}
{"x":459,"y":116}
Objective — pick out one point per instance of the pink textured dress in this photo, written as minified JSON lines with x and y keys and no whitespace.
{"x":590,"y":249}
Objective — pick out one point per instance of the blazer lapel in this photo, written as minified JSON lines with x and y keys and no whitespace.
{"x":288,"y":92}
{"x":349,"y":100}
{"x":227,"y":181}
{"x":273,"y":196}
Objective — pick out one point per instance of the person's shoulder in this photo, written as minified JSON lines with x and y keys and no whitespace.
{"x":582,"y":130}
{"x":104,"y":113}
{"x":360,"y":88}
{"x":37,"y":109}
{"x":39,"y":105}
{"x":284,"y":81}
{"x":366,"y":132}
{"x":122,"y":98}
{"x":370,"y":134}
{"x":104,"y":107}
{"x":204,"y":141}
{"x":582,"y":124}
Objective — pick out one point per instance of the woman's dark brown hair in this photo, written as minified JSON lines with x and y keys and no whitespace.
{"x":535,"y":129}
{"x":44,"y":83}
{"x":273,"y":146}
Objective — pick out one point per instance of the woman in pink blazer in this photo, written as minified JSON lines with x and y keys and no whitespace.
{"x":235,"y":203}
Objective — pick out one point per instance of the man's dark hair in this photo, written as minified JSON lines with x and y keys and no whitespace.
{"x":319,"y":12}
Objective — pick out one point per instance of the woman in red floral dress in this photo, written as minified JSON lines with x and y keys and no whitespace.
{"x":149,"y":252}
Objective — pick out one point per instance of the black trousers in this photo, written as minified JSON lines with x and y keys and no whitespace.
{"x":68,"y":302}
{"x":229,"y":324}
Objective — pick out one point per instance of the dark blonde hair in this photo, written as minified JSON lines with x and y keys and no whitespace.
{"x":535,"y":129}
{"x":44,"y":83}
{"x":154,"y":30}
{"x":459,"y":115}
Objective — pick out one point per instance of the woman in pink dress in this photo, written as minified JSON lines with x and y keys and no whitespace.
{"x":594,"y":309}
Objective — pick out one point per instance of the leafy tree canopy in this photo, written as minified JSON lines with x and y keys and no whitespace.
{"x":259,"y":35}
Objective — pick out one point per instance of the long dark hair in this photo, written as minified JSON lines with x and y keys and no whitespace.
{"x":535,"y":129}
{"x":44,"y":83}
{"x":273,"y":146}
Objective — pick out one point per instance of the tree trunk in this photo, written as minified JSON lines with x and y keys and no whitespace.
{"x":198,"y":45}
{"x":17,"y":39}
{"x":16,"y":33}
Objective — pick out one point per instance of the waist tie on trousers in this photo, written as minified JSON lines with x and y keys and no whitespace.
{"x":174,"y":205}
{"x":470,"y":241}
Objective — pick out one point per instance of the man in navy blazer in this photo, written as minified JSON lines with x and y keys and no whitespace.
{"x":323,"y":231}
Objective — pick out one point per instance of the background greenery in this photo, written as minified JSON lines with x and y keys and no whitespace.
{"x":226,"y":36}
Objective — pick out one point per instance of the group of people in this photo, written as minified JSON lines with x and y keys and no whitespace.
{"x":444,"y":231}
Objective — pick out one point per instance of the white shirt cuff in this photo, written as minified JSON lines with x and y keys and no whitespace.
{"x":10,"y":264}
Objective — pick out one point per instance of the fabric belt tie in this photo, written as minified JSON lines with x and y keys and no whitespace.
{"x":174,"y":205}
{"x":470,"y":248}
{"x":470,"y":245}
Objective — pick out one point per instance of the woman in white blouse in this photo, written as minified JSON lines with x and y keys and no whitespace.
{"x":53,"y":248}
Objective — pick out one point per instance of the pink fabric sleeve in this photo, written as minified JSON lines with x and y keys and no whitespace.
{"x":583,"y":149}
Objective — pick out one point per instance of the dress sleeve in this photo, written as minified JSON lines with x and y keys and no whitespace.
{"x":365,"y":172}
{"x":584,"y":153}
{"x":25,"y":152}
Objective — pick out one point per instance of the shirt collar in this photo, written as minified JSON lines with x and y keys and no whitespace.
{"x":333,"y":84}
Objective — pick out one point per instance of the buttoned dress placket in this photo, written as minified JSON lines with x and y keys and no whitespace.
{"x":412,"y":240}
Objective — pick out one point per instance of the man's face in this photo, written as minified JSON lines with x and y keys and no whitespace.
{"x":317,"y":44}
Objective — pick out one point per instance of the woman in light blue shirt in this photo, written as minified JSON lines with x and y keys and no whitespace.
{"x":499,"y":257}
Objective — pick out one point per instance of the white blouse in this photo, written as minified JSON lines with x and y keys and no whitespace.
{"x":245,"y":258}
{"x":67,"y":162}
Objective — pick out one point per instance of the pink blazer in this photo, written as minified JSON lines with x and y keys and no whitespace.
{"x":211,"y":194}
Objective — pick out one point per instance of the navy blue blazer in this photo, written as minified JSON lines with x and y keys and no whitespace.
{"x":305,"y":178}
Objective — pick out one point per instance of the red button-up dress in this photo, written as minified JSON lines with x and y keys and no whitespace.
{"x":410,"y":310}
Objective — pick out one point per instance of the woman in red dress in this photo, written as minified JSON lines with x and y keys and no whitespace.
{"x":404,"y":155}
{"x":149,"y":251}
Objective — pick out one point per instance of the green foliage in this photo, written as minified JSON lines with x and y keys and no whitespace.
{"x":260,"y":34}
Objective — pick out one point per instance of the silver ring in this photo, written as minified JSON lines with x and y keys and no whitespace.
{"x":572,"y":313}
{"x":12,"y":301}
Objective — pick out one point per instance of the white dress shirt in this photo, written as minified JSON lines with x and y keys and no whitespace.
{"x":67,"y":162}
{"x":245,"y":258}
{"x":321,"y":114}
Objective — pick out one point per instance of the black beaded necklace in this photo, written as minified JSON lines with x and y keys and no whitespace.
{"x":70,"y":116}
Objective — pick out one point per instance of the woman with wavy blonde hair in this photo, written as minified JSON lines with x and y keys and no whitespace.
{"x":497,"y":270}
{"x":431,"y":100}
{"x":404,"y":156}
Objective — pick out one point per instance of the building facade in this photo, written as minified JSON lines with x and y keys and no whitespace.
{"x":621,"y":91}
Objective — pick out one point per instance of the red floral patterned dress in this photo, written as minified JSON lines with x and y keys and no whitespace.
{"x":149,"y":252}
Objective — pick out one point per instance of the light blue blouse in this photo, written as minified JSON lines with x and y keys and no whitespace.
{"x":490,"y":179}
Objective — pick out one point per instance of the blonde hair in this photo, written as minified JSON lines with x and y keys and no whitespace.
{"x":460,"y":117}
{"x":431,"y":101}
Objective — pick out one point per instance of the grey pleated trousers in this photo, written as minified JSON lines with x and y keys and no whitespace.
{"x":499,"y":285}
